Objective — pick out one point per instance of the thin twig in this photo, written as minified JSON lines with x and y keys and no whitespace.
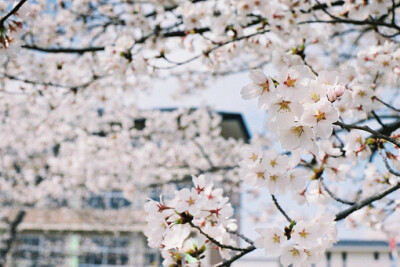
{"x":280,"y":208}
{"x":64,"y":49}
{"x":388,"y":167}
{"x":204,"y":154}
{"x":393,"y":12}
{"x":71,"y":87}
{"x":227,"y":263}
{"x":386,"y":104}
{"x":368,"y":129}
{"x":378,"y":119}
{"x":353,"y":22}
{"x":214,"y":240}
{"x":343,"y":214}
{"x":332,"y":195}
{"x":248,"y":240}
{"x":208,"y":51}
{"x":309,"y":66}
{"x":12,"y":11}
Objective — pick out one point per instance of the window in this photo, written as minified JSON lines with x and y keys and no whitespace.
{"x":152,"y":258}
{"x":155,"y":193}
{"x":39,"y":250}
{"x":328,"y":259}
{"x":344,"y":258}
{"x":98,"y":251}
{"x":107,"y":200}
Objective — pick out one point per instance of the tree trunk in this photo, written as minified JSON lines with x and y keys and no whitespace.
{"x":7,"y":244}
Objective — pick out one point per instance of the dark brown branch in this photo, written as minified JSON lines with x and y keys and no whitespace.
{"x":343,"y":214}
{"x":15,"y":78}
{"x":164,"y":33}
{"x":368,"y":129}
{"x":303,"y":58}
{"x":332,"y":195}
{"x":227,"y":263}
{"x":387,"y":165}
{"x":280,"y":208}
{"x":391,"y":127}
{"x":70,"y":87}
{"x":7,"y":244}
{"x":64,"y":50}
{"x":320,"y":6}
{"x":393,"y":10}
{"x":214,"y":240}
{"x":386,"y":104}
{"x":248,"y":240}
{"x":12,"y":11}
{"x":373,"y":23}
{"x":205,"y":155}
{"x":207,"y":52}
{"x":378,"y":119}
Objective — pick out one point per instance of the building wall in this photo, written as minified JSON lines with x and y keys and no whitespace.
{"x":352,"y":259}
{"x":257,"y":263}
{"x":356,"y":258}
{"x":85,"y":249}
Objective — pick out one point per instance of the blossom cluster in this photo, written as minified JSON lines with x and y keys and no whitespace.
{"x":301,"y":243}
{"x":201,"y":209}
{"x":299,"y":105}
{"x":272,"y":170}
{"x":100,"y":148}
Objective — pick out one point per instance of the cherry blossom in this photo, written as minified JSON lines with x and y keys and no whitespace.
{"x":325,"y":73}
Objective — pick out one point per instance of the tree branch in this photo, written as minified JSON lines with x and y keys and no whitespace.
{"x":208,"y":51}
{"x":386,"y":104}
{"x":214,"y":240}
{"x":388,"y":167}
{"x":248,"y":240}
{"x":343,"y":214}
{"x":4,"y":250}
{"x":368,"y":129}
{"x":70,"y":87}
{"x":373,"y":23}
{"x":64,"y":50}
{"x":280,"y":209}
{"x":332,"y":195}
{"x":12,"y":11}
{"x":227,"y":263}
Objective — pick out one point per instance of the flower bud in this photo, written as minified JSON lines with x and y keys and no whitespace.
{"x":339,"y":90}
{"x":330,"y":92}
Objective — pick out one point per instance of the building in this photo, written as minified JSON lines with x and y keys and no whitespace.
{"x":102,"y":232}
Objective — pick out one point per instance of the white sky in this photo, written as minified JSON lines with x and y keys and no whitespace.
{"x":223,"y":95}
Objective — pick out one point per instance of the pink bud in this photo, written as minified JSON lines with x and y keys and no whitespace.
{"x":339,"y":90}
{"x":330,"y":92}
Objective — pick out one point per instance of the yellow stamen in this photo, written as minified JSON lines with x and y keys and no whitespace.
{"x":298,"y":131}
{"x":260,"y":175}
{"x":320,"y":116}
{"x":284,"y":106}
{"x":289,"y":81}
{"x":276,"y":238}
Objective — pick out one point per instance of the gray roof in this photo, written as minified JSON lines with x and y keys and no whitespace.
{"x":362,"y":243}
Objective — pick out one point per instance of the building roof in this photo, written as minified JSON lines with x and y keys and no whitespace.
{"x":233,"y":124}
{"x":64,"y":219}
{"x":357,"y":245}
